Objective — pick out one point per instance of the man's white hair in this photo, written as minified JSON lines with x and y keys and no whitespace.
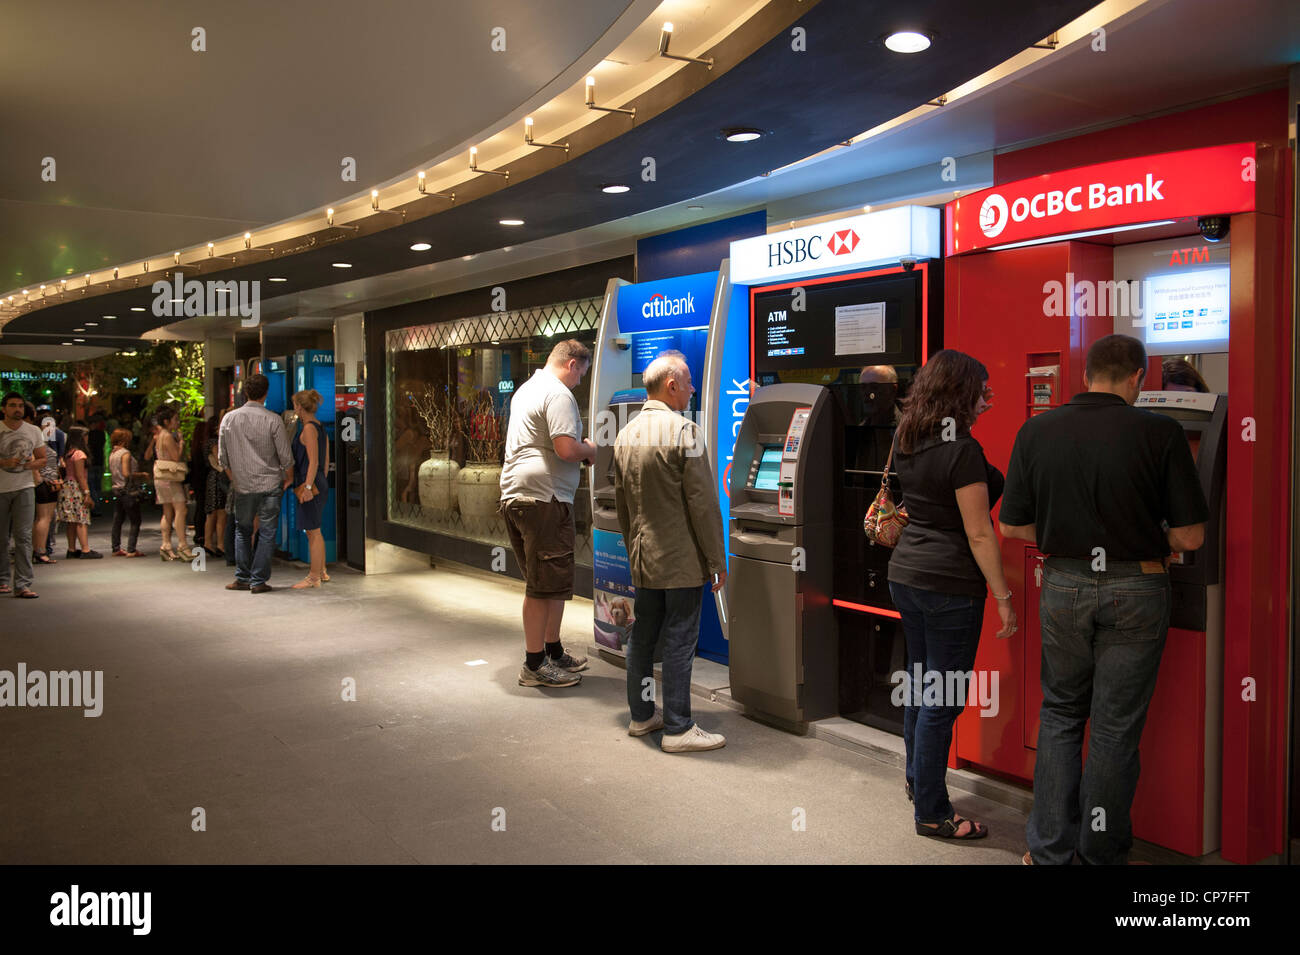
{"x":667,"y":364}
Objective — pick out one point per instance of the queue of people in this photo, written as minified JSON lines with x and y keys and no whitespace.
{"x":1133,"y":499}
{"x":49,"y":477}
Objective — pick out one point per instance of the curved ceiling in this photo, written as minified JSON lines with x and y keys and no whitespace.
{"x":158,"y":146}
{"x":806,"y":100}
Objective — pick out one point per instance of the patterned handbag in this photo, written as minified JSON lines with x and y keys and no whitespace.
{"x":884,"y":522}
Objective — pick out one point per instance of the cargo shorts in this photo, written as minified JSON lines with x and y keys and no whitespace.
{"x":541,"y":534}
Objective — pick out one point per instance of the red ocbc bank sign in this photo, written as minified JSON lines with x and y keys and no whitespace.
{"x":1217,"y":180}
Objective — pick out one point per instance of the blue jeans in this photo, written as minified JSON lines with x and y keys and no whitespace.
{"x":266,"y":507}
{"x":674,"y":617}
{"x":943,"y":632}
{"x":1103,"y":635}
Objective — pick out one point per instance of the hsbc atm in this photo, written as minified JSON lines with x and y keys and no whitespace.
{"x":784,"y":660}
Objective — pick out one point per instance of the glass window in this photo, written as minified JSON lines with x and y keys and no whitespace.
{"x":449,"y":392}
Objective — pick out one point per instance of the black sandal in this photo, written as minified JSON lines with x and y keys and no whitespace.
{"x":949,"y":828}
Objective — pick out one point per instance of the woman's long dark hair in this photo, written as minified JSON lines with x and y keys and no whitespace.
{"x":77,"y":440}
{"x":947,"y":386}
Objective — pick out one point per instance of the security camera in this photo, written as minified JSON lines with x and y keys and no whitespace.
{"x":908,"y":262}
{"x":622,"y":343}
{"x":1213,"y":228}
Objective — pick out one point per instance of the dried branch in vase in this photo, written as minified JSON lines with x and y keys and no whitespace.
{"x":434,"y":410}
{"x":486,"y":429}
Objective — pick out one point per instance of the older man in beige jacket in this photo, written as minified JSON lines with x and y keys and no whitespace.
{"x":668,"y":512}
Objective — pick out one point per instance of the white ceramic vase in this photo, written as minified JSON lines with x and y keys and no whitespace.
{"x":438,"y":482}
{"x":478,"y":488}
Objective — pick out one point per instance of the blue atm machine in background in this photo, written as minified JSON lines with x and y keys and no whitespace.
{"x":314,"y":368}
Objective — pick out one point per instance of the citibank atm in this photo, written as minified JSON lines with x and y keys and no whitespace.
{"x":784,"y":648}
{"x":688,"y":314}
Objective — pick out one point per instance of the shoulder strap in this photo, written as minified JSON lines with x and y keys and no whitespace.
{"x":889,"y":459}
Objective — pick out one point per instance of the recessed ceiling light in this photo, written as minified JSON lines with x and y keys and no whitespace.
{"x":342,"y":265}
{"x":614,"y":188}
{"x":907,"y":41}
{"x":92,"y":324}
{"x":78,"y":329}
{"x":511,"y":221}
{"x":277,"y":278}
{"x":421,"y":247}
{"x":741,"y":134}
{"x":137,"y":308}
{"x":78,"y":339}
{"x":110,"y":317}
{"x":467,"y":258}
{"x":67,"y":343}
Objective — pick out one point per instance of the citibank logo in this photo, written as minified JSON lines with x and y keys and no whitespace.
{"x":660,"y":305}
{"x":993,"y":215}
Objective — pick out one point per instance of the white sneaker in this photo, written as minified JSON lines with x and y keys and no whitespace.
{"x":642,"y":727}
{"x":694,"y":740}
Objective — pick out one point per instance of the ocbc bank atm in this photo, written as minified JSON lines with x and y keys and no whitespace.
{"x":784,"y":644}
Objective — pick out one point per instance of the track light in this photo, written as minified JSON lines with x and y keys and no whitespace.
{"x":591,"y":101}
{"x":666,"y":36}
{"x":528,"y":137}
{"x":212,"y":249}
{"x":473,"y":165}
{"x":248,"y":240}
{"x":374,"y":199}
{"x":329,"y":219}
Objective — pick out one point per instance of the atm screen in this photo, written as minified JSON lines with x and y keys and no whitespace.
{"x":849,"y":324}
{"x":769,"y":468}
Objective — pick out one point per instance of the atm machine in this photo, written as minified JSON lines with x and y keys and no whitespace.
{"x":687,"y":314}
{"x":313,"y":368}
{"x":1183,"y":738}
{"x":349,"y":455}
{"x":784,"y":657}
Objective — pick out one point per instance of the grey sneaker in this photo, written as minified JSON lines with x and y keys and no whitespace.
{"x":694,"y":740}
{"x":644,"y":727}
{"x":547,"y":674}
{"x":574,"y":664}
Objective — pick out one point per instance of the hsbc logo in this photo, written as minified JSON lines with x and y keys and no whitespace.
{"x":843,"y":242}
{"x":993,"y":215}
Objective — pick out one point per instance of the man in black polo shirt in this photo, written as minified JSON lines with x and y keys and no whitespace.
{"x":1107,"y":492}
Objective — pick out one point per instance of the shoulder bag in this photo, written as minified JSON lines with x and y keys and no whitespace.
{"x":884,"y":522}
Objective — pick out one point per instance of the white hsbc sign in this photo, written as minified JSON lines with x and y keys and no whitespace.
{"x":876,"y":238}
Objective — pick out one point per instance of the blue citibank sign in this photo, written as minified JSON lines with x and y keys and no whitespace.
{"x":682,"y":302}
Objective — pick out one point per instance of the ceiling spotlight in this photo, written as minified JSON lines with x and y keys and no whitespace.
{"x":591,"y":101}
{"x":741,"y":134}
{"x":614,"y":188}
{"x":78,"y":339}
{"x":329,"y":216}
{"x":78,"y":329}
{"x":341,"y":265}
{"x":92,"y":324}
{"x":421,"y":247}
{"x":511,"y":221}
{"x":248,"y":240}
{"x":109,"y":317}
{"x":374,"y":199}
{"x":211,"y":250}
{"x":277,"y":278}
{"x":137,"y":308}
{"x":665,"y":37}
{"x":907,"y":41}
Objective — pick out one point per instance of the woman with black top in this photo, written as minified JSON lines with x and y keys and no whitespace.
{"x":945,"y":561}
{"x":310,"y":485}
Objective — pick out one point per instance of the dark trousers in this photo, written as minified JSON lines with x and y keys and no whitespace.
{"x":253,"y":559}
{"x":942,"y":632}
{"x":127,"y":509}
{"x":671,"y":616}
{"x":1103,"y":636}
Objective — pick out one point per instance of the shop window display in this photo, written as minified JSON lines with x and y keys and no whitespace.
{"x":449,"y":392}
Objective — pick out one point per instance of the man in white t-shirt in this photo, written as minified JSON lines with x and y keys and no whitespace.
{"x":544,"y":455}
{"x":22,"y":455}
